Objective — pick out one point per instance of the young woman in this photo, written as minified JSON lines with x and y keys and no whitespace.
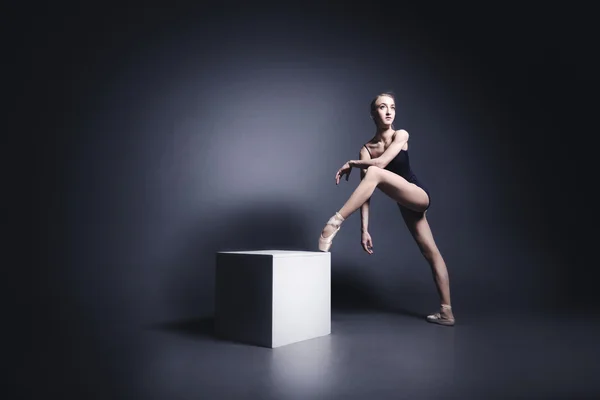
{"x":384,"y":164}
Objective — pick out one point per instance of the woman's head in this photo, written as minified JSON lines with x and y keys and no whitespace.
{"x":383,"y":110}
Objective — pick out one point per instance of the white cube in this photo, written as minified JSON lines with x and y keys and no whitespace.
{"x":272,"y":298}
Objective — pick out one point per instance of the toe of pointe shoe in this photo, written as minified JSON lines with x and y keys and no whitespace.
{"x":324,"y":247}
{"x":434,"y":319}
{"x":325,"y":243}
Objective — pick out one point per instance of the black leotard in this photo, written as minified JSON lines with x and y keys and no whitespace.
{"x":401,"y":165}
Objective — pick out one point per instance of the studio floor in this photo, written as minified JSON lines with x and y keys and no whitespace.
{"x":373,"y":354}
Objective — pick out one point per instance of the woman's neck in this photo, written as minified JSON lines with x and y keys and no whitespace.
{"x":384,"y":133}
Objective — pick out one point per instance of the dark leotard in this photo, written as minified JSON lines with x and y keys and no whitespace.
{"x":401,"y":165}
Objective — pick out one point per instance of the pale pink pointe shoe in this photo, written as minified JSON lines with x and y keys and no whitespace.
{"x":441,"y":319}
{"x":335,"y":221}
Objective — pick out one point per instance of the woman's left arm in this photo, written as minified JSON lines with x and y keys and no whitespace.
{"x":363,"y":164}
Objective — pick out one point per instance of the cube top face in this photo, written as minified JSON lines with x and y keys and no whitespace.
{"x":277,"y":253}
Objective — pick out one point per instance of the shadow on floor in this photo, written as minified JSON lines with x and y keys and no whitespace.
{"x":194,"y":327}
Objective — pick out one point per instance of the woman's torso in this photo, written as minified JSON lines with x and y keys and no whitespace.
{"x":400,"y":164}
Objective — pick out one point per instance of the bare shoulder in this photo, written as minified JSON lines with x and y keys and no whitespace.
{"x":401,"y":134}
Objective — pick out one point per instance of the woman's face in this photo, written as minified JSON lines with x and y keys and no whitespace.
{"x":385,"y":111}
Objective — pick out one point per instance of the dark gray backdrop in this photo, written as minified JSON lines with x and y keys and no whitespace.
{"x":160,"y":135}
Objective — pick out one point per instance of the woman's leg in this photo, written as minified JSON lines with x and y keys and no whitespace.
{"x":398,"y":188}
{"x":421,"y":231}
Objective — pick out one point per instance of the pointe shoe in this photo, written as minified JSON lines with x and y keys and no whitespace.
{"x":325,"y":242}
{"x":440,"y":319}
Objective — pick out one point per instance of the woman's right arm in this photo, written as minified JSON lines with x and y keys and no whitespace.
{"x":364,"y":209}
{"x":365,"y":237}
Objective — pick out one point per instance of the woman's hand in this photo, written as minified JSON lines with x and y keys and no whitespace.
{"x":367,"y":242}
{"x":345,"y":170}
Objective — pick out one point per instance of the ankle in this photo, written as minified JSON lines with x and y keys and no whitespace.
{"x":446,"y":308}
{"x":336,"y":220}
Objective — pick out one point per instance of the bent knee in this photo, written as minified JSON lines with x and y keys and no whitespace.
{"x":372,"y":169}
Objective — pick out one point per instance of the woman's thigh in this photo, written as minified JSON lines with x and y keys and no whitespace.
{"x":402,"y":191}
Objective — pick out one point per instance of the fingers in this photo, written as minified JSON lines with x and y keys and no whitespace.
{"x":340,"y":174}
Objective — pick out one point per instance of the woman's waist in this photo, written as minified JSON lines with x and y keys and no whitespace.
{"x":406,"y":173}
